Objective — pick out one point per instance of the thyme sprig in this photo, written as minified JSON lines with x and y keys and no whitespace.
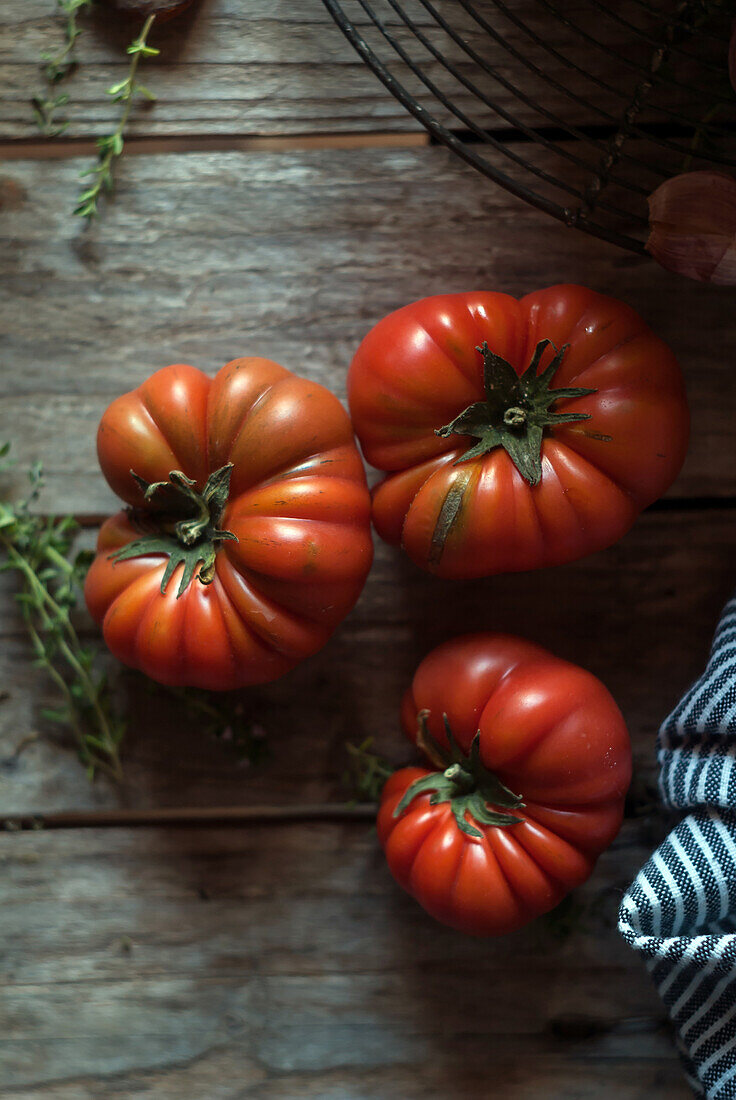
{"x":110,"y":147}
{"x":367,"y":772}
{"x":41,"y":551}
{"x":58,"y":64}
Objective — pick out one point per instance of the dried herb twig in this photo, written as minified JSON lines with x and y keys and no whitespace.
{"x":221,"y":715}
{"x":57,"y":65}
{"x":40,"y":551}
{"x":111,"y":146}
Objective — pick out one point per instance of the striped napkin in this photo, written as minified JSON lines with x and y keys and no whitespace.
{"x":680,"y":912}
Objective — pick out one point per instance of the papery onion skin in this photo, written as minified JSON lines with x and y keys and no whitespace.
{"x":692,"y":219}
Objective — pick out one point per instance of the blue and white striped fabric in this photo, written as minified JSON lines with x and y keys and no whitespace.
{"x":680,"y":913}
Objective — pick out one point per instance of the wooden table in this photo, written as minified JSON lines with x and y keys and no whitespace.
{"x":277,"y":201}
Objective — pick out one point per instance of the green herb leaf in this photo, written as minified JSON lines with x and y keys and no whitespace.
{"x":115,"y":89}
{"x":40,"y":551}
{"x":367,"y":772}
{"x":58,"y":65}
{"x":111,"y":146}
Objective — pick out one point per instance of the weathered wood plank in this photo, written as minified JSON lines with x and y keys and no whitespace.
{"x":640,"y":616}
{"x":250,"y":66}
{"x":283,"y":962}
{"x":294,"y":256}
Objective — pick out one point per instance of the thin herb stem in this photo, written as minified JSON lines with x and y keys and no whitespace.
{"x":367,"y":772}
{"x":111,"y":146}
{"x":58,"y":559}
{"x":40,"y":550}
{"x":58,"y":62}
{"x":56,"y":67}
{"x":50,"y":612}
{"x":112,"y":768}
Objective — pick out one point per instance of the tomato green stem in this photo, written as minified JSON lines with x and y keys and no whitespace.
{"x":465,"y":783}
{"x":516,"y":411}
{"x":186,"y":525}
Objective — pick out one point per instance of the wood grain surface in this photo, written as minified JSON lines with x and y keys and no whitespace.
{"x":639,"y":615}
{"x":182,"y":955}
{"x":207,"y":256}
{"x":281,"y":962}
{"x":234,"y":67}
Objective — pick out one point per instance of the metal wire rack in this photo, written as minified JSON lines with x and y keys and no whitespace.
{"x":579,"y":107}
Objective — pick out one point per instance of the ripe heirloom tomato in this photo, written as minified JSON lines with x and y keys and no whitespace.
{"x":515,"y":434}
{"x":534,"y":764}
{"x":248,"y":535}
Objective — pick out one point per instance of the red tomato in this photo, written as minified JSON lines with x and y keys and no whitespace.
{"x":489,"y":469}
{"x":530,"y":789}
{"x":253,"y":539}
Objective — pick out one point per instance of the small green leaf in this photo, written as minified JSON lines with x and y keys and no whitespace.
{"x":59,"y":715}
{"x":96,"y":743}
{"x":141,"y":89}
{"x":140,"y":47}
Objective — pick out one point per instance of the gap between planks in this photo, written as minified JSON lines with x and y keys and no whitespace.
{"x":60,"y":149}
{"x":191,"y":816}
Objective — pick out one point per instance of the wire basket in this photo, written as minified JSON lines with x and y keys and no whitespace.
{"x":580,"y":107}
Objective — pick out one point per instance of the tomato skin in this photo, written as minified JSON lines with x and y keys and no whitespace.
{"x":551,"y":732}
{"x":298,"y":505}
{"x":418,"y":368}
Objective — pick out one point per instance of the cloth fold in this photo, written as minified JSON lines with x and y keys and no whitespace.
{"x":680,"y":912}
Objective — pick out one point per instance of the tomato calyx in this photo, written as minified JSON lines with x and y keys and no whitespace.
{"x":516,"y":411}
{"x":464,"y":781}
{"x":185,"y":522}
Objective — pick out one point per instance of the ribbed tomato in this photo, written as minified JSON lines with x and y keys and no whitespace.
{"x":515,"y":434}
{"x":534,"y":764}
{"x":248,"y":536}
